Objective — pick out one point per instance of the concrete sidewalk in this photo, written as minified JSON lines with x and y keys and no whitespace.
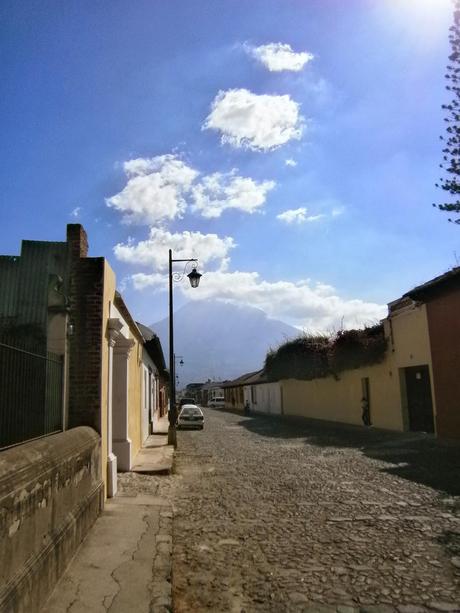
{"x":161,"y":425}
{"x":155,"y":457}
{"x":125,"y":563}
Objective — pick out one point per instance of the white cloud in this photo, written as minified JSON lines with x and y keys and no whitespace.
{"x":278,"y":56}
{"x":290,"y":162}
{"x":298,"y":216}
{"x":313,"y":307}
{"x":143,"y":281}
{"x":155,"y":190}
{"x":153,"y":252}
{"x":76,"y":212}
{"x":260,"y":123}
{"x":162,"y":187}
{"x":220,"y":191}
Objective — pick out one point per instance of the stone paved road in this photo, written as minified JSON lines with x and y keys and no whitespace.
{"x":276,"y":516}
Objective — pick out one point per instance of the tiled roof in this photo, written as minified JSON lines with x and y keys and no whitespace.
{"x":250,"y":378}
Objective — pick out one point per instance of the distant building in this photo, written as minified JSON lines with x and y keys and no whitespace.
{"x":234,"y":390}
{"x":211,"y":390}
{"x":154,"y":383}
{"x":194,"y":390}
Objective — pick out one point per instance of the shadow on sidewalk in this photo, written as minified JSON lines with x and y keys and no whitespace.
{"x":415,"y":456}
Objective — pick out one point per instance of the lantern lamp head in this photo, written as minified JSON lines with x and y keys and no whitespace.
{"x":194,"y":278}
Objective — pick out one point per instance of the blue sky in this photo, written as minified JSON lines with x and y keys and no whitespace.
{"x":292,"y":146}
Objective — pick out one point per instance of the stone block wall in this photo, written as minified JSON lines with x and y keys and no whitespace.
{"x":51,"y":493}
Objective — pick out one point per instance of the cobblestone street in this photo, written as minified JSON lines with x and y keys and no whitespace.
{"x":284,"y":516}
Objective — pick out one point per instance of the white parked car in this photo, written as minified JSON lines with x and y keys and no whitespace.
{"x":190,"y":416}
{"x":217,"y":403}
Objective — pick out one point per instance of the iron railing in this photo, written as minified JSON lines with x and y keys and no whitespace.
{"x":31,"y":394}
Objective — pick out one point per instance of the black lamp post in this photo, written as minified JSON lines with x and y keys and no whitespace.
{"x":194,"y":278}
{"x":181,"y":362}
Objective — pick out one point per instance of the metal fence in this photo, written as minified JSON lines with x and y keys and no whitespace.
{"x":31,"y":398}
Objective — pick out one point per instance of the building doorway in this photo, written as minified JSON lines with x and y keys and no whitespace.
{"x":419,"y":402}
{"x":365,"y":402}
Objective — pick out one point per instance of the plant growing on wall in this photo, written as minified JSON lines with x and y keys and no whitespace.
{"x":356,"y":348}
{"x":305,"y":357}
{"x":311,"y":357}
{"x":451,"y":151}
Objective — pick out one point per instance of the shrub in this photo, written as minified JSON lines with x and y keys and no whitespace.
{"x":312,"y":357}
{"x":355,"y":348}
{"x":305,"y":357}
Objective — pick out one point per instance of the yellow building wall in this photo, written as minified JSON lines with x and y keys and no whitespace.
{"x":340,"y":400}
{"x":411,"y":342}
{"x":108,"y":297}
{"x":410,"y":346}
{"x":135,"y":398}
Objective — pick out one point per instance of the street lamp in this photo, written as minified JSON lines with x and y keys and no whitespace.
{"x":181,"y":362}
{"x":194,"y":278}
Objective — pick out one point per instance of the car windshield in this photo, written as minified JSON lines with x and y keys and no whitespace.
{"x":190,"y":411}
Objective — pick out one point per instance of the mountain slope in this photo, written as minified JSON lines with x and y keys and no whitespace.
{"x":220,"y":341}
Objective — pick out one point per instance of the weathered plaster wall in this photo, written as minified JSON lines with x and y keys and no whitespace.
{"x":135,"y":398}
{"x":409,"y":346}
{"x":444,"y":324}
{"x":267,"y":396}
{"x":57,"y":327}
{"x":340,"y":400}
{"x":51,"y":493}
{"x":148,"y":395}
{"x":411,"y":343}
{"x":411,"y":339}
{"x":234,"y":397}
{"x":109,"y":285}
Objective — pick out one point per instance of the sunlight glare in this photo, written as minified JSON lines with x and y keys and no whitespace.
{"x":425,"y":22}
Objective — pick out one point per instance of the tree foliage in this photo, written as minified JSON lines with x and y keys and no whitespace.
{"x":451,"y":150}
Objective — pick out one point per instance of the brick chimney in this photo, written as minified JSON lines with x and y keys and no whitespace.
{"x":77,"y":241}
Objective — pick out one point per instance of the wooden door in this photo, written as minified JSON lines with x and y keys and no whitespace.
{"x":419,"y":403}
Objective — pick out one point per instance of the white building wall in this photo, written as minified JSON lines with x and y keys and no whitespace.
{"x":215,"y":392}
{"x":150,"y":398}
{"x":264,"y":398}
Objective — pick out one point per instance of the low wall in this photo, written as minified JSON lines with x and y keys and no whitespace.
{"x":340,"y":399}
{"x":51,"y":493}
{"x":268,"y":398}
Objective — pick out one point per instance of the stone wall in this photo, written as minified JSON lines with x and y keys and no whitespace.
{"x":51,"y":493}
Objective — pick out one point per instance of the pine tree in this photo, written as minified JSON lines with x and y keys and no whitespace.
{"x":451,"y":151}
